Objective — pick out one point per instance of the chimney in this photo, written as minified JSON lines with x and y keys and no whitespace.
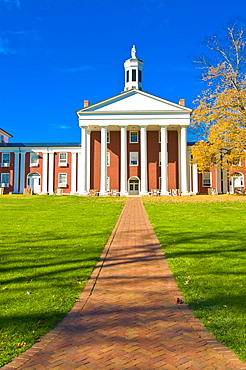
{"x":182,"y":102}
{"x":86,"y":103}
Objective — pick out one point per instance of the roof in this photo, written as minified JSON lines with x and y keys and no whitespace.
{"x":5,"y":133}
{"x":39,"y":144}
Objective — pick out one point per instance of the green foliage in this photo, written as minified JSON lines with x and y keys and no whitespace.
{"x":205,"y":244}
{"x":48,"y":248}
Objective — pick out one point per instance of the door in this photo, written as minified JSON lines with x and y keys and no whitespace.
{"x":33,"y":182}
{"x":133,"y":186}
{"x":236,"y":182}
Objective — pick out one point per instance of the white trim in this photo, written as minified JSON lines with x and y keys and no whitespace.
{"x":123,"y":160}
{"x":164,"y":161}
{"x":103,"y":182}
{"x":51,"y":174}
{"x":143,"y":163}
{"x":45,"y":173}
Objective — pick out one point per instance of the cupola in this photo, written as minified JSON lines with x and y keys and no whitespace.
{"x":133,"y":72}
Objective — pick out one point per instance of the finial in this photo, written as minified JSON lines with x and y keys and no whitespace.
{"x":133,"y":52}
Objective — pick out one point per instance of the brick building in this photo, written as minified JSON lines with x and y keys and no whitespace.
{"x":132,"y":143}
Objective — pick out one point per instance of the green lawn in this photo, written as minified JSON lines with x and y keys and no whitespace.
{"x":48,"y":248}
{"x":204,"y":240}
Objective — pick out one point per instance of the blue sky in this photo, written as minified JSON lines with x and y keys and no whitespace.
{"x":55,"y":54}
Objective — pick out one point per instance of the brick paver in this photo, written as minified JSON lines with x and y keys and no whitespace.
{"x":127,"y":316}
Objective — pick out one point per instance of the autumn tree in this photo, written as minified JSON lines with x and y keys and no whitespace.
{"x":219,"y":118}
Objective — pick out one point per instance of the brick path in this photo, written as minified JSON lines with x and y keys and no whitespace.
{"x":131,"y":320}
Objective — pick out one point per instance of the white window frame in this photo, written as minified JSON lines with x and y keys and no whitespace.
{"x":160,"y":183}
{"x":5,"y":162}
{"x":108,"y":183}
{"x":34,"y":163}
{"x":108,"y":159}
{"x":133,"y":158}
{"x":108,"y":137}
{"x":206,"y":178}
{"x":4,"y":183}
{"x":62,"y":161}
{"x":130,"y":137}
{"x":159,"y":159}
{"x":62,"y":180}
{"x":159,"y":136}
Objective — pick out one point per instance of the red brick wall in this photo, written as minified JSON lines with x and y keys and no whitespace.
{"x":66,"y":170}
{"x":153,"y":149}
{"x":95,"y":160}
{"x":113,"y":171}
{"x":172,"y":149}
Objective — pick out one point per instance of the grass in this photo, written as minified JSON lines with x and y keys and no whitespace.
{"x":48,"y":248}
{"x":204,"y":240}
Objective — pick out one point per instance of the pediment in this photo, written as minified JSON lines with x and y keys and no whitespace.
{"x":134,"y":101}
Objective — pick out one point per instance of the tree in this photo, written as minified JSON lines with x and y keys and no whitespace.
{"x":219,"y":118}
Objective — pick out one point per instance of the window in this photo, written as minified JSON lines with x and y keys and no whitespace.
{"x":133,"y":158}
{"x":160,"y":136}
{"x":62,"y":180}
{"x":5,"y":160}
{"x":62,"y":159}
{"x":139,"y":75}
{"x":108,"y":137}
{"x":133,"y":136}
{"x":206,"y":179}
{"x":4,"y":180}
{"x":127,"y":76}
{"x":108,"y":183}
{"x":159,"y":158}
{"x":108,"y":159}
{"x":160,"y":183}
{"x":33,"y":159}
{"x":134,"y":75}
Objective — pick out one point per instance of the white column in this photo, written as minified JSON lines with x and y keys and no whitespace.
{"x":183,"y":159}
{"x":123,"y":161}
{"x":83,"y":162}
{"x":143,"y":168}
{"x":16,"y":172}
{"x":103,"y":182}
{"x":195,"y":179}
{"x":225,"y":182}
{"x":218,"y":180}
{"x":73,"y":173}
{"x":22,"y":172}
{"x":79,"y":172}
{"x":45,"y":173}
{"x":51,"y":174}
{"x":164,"y":174}
{"x":88,"y":161}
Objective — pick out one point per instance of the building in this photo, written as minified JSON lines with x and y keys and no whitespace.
{"x":132,"y":143}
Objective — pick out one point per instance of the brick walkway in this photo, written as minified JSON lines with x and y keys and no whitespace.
{"x":131,"y":320}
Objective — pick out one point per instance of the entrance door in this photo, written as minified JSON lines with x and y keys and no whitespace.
{"x":33,"y":182}
{"x":133,"y":186}
{"x":236,"y":182}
